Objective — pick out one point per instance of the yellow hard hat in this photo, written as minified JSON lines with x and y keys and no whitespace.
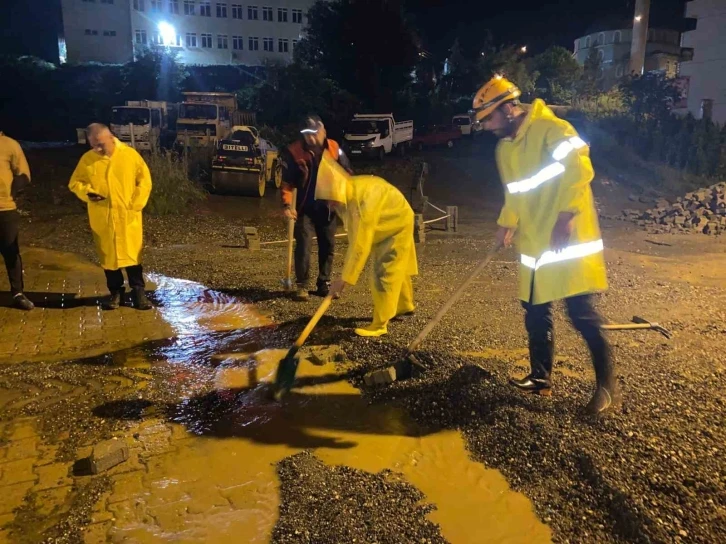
{"x":493,"y":94}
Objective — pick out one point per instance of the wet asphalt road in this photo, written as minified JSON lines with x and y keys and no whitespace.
{"x":654,"y":473}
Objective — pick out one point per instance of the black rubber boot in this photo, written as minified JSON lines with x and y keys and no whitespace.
{"x":323,"y":289}
{"x":530,"y":384}
{"x":114,"y":301}
{"x":605,"y":399}
{"x":140,"y":300}
{"x":21,"y":302}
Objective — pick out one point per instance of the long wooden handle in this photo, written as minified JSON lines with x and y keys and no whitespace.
{"x":628,"y":326}
{"x":291,"y":235}
{"x":313,"y":321}
{"x":449,"y":303}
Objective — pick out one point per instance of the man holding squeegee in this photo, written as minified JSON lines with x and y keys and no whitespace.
{"x":546,"y":171}
{"x":300,"y":162}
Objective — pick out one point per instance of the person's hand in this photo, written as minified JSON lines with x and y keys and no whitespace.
{"x":561,"y":232}
{"x":290,"y":213}
{"x":504,"y":236}
{"x":337,"y":287}
{"x":93,"y":197}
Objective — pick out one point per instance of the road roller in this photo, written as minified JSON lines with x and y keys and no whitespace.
{"x":244,"y":163}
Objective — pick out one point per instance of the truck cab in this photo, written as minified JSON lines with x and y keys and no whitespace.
{"x":467,"y":125}
{"x":204,"y":118}
{"x":140,"y":123}
{"x":376,"y":135}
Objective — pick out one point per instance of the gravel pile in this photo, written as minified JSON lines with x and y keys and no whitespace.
{"x":325,"y":504}
{"x":702,"y":211}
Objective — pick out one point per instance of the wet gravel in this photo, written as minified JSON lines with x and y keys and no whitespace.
{"x":654,"y":473}
{"x":331,"y":504}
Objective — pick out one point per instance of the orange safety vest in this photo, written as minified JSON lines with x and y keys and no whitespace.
{"x":303,"y":158}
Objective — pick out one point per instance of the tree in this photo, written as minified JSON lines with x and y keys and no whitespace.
{"x":155,"y":74}
{"x":557,"y":75}
{"x":366,"y":46}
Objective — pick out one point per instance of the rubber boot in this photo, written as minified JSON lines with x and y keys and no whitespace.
{"x":141,"y":302}
{"x":372,"y":330}
{"x":607,"y":395}
{"x":115,"y":300}
{"x":21,"y":302}
{"x":301,"y":294}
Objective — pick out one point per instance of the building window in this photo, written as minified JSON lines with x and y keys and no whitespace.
{"x":90,"y":1}
{"x":156,"y":6}
{"x":267,"y":14}
{"x":141,"y":37}
{"x":107,"y":2}
{"x":268,"y":44}
{"x":254,"y":44}
{"x":587,"y":41}
{"x":616,"y":36}
{"x":297,"y":16}
{"x":191,"y":39}
{"x":237,"y":43}
{"x":156,"y":39}
{"x":91,"y":32}
{"x":600,"y":54}
{"x":206,"y":40}
{"x":222,"y":42}
{"x":236,"y":11}
{"x":205,"y":9}
{"x":222,"y":11}
{"x":109,"y":33}
{"x":189,"y":8}
{"x":139,"y":5}
{"x":252,"y":13}
{"x":619,"y":71}
{"x":601,"y":38}
{"x":294,"y":44}
{"x":283,"y":45}
{"x":281,"y":15}
{"x":174,"y":6}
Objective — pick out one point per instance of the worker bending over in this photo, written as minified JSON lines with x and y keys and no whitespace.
{"x":300,"y":163}
{"x":546,"y":171}
{"x":379,"y":222}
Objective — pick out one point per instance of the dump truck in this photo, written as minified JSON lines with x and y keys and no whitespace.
{"x":376,"y":135}
{"x":205,"y":118}
{"x":244,"y":163}
{"x":142,"y":124}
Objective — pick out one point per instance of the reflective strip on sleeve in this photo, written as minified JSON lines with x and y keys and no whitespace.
{"x":550,"y":171}
{"x":576,"y":251}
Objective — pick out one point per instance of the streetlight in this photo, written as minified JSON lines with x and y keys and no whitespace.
{"x":638,"y":18}
{"x":523,"y":49}
{"x":168,"y":34}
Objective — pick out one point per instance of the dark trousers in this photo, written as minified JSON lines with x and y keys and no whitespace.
{"x":320,"y":223}
{"x":585,"y":318}
{"x":9,"y":227}
{"x":115,"y":278}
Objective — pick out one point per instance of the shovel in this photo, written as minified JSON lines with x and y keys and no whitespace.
{"x":287,"y":282}
{"x":287,"y":368}
{"x":405,"y":367}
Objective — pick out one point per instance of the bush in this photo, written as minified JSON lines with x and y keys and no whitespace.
{"x":173,"y":191}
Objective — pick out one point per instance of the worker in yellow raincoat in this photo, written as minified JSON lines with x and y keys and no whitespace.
{"x":546,"y":171}
{"x":115,"y":182}
{"x":379,"y":221}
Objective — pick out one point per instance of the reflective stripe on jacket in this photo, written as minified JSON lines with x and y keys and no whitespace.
{"x":546,"y":170}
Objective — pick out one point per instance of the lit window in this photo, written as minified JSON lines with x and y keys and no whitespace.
{"x":188,"y":7}
{"x":281,"y":15}
{"x":267,"y":14}
{"x":254,"y":44}
{"x":191,"y":39}
{"x":252,"y":13}
{"x":205,"y":9}
{"x":283,"y":45}
{"x":206,"y":40}
{"x":174,"y":7}
{"x":156,"y":6}
{"x":141,"y":37}
{"x":297,"y":16}
{"x":139,"y":5}
{"x":222,"y":42}
{"x":237,"y":43}
{"x":268,"y":44}
{"x":236,"y":11}
{"x":156,"y":39}
{"x":222,"y":11}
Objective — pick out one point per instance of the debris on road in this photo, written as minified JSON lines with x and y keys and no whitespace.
{"x":702,"y":211}
{"x":108,"y":454}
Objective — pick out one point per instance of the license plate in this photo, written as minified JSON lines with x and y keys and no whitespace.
{"x":356,"y":152}
{"x":230,"y":147}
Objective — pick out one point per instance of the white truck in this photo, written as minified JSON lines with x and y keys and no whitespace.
{"x":376,"y":135}
{"x":204,"y":118}
{"x":467,"y":125}
{"x":141,"y":123}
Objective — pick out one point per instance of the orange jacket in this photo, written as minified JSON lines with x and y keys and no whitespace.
{"x":297,"y":166}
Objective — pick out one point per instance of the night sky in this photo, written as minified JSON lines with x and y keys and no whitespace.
{"x":31,"y":27}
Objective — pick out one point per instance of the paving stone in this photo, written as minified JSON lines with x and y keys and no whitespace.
{"x":171,"y":517}
{"x":13,"y":496}
{"x":50,"y":476}
{"x":22,"y":429}
{"x":52,"y":501}
{"x":21,"y":449}
{"x":97,"y":533}
{"x":15,"y":472}
{"x":107,"y":454}
{"x":128,"y":512}
{"x":126,"y":486}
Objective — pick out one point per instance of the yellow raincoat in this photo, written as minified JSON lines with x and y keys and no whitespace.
{"x":379,"y":221}
{"x":125,"y":182}
{"x":546,"y":170}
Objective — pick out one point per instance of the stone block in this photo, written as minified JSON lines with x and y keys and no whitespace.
{"x":108,"y":454}
{"x":321,"y":355}
{"x":452,"y":222}
{"x":251,"y":238}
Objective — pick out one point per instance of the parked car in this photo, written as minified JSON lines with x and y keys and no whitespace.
{"x":446,"y":135}
{"x":467,"y":126}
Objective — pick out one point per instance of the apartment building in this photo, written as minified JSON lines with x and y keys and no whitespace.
{"x":200,"y":31}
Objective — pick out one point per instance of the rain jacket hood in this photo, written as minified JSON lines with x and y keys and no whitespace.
{"x":546,"y":170}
